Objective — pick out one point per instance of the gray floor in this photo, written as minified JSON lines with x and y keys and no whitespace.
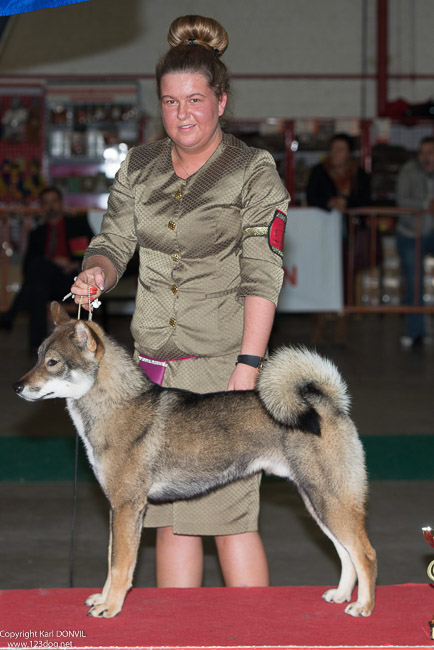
{"x":392,"y":393}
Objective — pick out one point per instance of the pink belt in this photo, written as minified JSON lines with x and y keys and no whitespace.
{"x":154,"y":369}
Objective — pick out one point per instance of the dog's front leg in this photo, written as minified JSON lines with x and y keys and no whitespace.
{"x":126,"y":526}
{"x":97,"y":599}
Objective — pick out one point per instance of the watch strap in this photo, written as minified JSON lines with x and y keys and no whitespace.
{"x":250,"y":360}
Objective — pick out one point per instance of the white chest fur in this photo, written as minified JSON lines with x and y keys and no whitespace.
{"x":79,"y":425}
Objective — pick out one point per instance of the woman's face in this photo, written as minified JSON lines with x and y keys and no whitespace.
{"x":340,"y":153}
{"x":190,"y":111}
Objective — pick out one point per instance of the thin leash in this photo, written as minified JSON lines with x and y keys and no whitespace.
{"x":74,"y":511}
{"x":74,"y":498}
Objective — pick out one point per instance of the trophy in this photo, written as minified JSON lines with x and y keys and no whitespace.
{"x":427,"y":533}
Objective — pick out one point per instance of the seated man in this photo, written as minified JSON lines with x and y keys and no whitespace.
{"x":53,"y":258}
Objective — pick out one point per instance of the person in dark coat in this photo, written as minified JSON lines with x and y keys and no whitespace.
{"x":339,"y":183}
{"x":52,"y":260}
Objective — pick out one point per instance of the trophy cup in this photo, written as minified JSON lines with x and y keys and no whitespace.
{"x":427,"y":533}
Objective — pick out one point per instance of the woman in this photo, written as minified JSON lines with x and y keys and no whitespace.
{"x":208,"y":214}
{"x":338,"y":183}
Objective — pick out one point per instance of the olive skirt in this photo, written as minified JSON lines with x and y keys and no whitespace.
{"x":230,"y":510}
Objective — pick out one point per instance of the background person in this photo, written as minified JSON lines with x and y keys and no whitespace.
{"x":53,"y":257}
{"x":339,"y":183}
{"x":415,"y":190}
{"x":208,"y":213}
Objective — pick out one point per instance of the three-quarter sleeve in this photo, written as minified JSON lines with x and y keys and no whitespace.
{"x":118,"y":239}
{"x":265,"y":203}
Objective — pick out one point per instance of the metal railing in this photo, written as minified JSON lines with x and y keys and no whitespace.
{"x":373,"y":217}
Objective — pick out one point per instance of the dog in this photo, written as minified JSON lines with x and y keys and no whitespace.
{"x":148,"y":443}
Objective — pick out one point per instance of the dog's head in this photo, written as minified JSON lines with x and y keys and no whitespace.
{"x":68,"y":360}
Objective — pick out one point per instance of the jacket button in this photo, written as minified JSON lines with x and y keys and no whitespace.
{"x":174,"y":288}
{"x":171,"y":225}
{"x":172,"y":322}
{"x":178,"y":194}
{"x":175,"y":257}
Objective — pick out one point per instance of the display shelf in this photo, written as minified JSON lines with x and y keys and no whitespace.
{"x":87,"y":201}
{"x":21,"y":142}
{"x":89,"y":131}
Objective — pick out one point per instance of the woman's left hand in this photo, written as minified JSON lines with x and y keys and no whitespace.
{"x":244,"y":377}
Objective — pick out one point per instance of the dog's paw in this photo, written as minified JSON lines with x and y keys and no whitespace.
{"x":335,"y":596}
{"x":103,"y":610}
{"x":358,"y":609}
{"x":95,"y":599}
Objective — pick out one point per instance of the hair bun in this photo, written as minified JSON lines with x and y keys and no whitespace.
{"x":201,"y":30}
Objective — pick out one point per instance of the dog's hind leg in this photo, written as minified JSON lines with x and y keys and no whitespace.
{"x":346,"y":528}
{"x":348,"y":577}
{"x":99,"y":598}
{"x":127,"y":522}
{"x":364,"y":559}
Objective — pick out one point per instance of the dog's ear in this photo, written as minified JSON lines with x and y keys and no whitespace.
{"x":85,"y":337}
{"x":58,"y":314}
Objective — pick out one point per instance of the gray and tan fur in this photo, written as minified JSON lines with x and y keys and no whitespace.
{"x":145,"y":443}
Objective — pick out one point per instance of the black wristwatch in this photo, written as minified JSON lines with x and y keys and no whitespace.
{"x":250,"y":360}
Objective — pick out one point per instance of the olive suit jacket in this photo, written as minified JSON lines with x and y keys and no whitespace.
{"x":205,"y":243}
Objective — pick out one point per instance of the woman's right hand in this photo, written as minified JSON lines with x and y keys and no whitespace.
{"x":93,"y":278}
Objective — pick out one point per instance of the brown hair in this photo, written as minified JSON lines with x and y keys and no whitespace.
{"x":196,"y":44}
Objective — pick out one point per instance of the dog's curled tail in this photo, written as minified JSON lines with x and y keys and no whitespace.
{"x":296,"y":379}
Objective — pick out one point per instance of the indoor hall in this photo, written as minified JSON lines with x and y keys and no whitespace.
{"x":73,"y":102}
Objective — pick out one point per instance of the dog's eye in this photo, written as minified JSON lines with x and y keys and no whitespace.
{"x":52,"y":362}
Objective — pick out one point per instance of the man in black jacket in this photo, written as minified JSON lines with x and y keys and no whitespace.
{"x":53,"y":258}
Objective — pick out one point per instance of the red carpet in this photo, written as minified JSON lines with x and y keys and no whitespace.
{"x":216,"y":617}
